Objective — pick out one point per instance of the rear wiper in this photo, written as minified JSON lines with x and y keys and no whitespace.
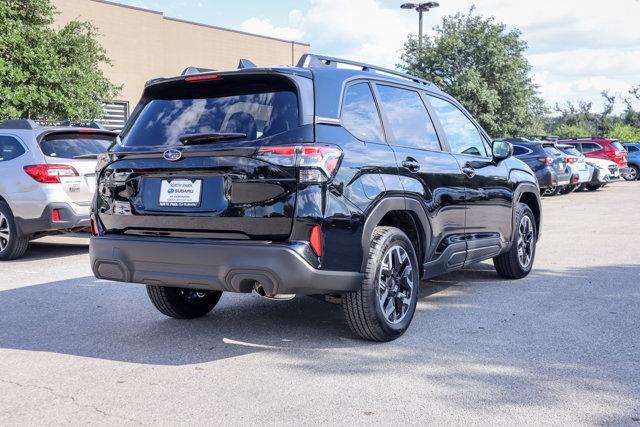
{"x":203,"y":138}
{"x":86,"y":156}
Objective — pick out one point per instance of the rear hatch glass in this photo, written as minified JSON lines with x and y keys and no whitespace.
{"x":75,"y":145}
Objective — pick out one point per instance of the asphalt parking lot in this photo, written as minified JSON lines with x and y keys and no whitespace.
{"x":559,"y":347}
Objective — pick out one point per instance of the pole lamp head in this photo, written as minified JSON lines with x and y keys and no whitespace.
{"x":408,"y":6}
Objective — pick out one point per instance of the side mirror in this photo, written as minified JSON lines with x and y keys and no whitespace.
{"x":501,"y":150}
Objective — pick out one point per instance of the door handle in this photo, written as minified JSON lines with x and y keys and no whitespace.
{"x":469,"y":171}
{"x":411,"y":164}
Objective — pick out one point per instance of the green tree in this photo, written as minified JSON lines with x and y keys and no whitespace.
{"x":574,"y":130}
{"x":625,"y":133}
{"x":482,"y":64}
{"x":45,"y":73}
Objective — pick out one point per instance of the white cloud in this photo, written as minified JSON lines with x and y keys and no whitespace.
{"x":577,"y":48}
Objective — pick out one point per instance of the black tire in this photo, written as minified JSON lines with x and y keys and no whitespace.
{"x":363,"y":309}
{"x":568,"y":189}
{"x":593,"y":187}
{"x":12,"y":244}
{"x":634,"y":173}
{"x":182,"y":303}
{"x":508,"y":264}
{"x":581,"y":187}
{"x":550,"y":191}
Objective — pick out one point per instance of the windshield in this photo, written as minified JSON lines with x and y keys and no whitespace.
{"x":69,"y":146}
{"x":258,"y":115}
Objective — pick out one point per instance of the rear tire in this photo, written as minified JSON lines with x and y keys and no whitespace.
{"x":12,"y":244}
{"x":182,"y":303}
{"x":568,"y":189}
{"x":384,"y":306}
{"x":518,"y":261}
{"x":593,"y":187}
{"x":634,"y":173}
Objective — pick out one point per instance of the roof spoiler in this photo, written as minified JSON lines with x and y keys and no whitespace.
{"x":309,"y":60}
{"x":19,"y":124}
{"x":195,"y":70}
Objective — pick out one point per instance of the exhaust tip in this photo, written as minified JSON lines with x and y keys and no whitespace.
{"x":259,"y":289}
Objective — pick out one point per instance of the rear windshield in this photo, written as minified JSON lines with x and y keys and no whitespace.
{"x":70,"y":146}
{"x":552,"y":151}
{"x":572,"y":152}
{"x":618,"y":146}
{"x":258,"y":115}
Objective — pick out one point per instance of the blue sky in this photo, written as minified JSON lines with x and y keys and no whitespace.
{"x":577,"y":48}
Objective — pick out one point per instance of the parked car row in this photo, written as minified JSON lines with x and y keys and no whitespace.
{"x":564,"y":166}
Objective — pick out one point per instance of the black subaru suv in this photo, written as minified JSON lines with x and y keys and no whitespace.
{"x":352,"y":182}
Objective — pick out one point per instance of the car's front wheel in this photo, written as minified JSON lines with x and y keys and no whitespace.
{"x":518,"y":261}
{"x":12,"y":244}
{"x":385,"y":304}
{"x":182,"y":303}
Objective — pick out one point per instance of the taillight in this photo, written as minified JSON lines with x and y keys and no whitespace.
{"x":315,"y":239}
{"x":50,"y":174}
{"x":572,"y":160}
{"x":546,"y":160}
{"x":316,"y":163}
{"x":55,"y":215}
{"x":202,"y":78}
{"x":94,"y":227}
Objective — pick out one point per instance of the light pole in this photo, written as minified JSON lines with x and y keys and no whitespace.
{"x":420,"y":7}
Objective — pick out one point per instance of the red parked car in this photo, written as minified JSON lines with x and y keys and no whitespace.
{"x":602,"y":148}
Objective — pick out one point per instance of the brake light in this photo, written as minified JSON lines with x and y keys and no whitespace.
{"x":572,"y":160}
{"x":202,"y":78}
{"x":316,"y":163}
{"x":49,"y":173}
{"x":315,"y":239}
{"x":546,"y":160}
{"x":87,"y":130}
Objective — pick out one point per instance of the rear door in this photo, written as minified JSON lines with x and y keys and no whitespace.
{"x":489,"y":196}
{"x":429,"y":174}
{"x":212,"y":157}
{"x":78,"y":149}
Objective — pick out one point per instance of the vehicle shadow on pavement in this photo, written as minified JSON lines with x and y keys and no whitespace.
{"x":48,"y":250}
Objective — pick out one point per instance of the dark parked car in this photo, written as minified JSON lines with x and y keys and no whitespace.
{"x":545,"y":161}
{"x":307,"y":180}
{"x":633,"y":150}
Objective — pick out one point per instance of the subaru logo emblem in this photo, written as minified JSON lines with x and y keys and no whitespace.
{"x":173,"y":155}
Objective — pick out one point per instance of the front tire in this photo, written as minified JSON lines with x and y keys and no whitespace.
{"x":518,"y":261}
{"x":12,"y":244}
{"x":182,"y":303}
{"x":385,"y":304}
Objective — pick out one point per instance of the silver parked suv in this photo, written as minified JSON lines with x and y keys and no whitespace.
{"x":47,"y":181}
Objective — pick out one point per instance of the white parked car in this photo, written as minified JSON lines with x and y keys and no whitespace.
{"x":581,"y":171}
{"x":605,"y":171}
{"x":47,"y":181}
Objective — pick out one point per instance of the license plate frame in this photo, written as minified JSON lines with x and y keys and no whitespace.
{"x":180,"y":193}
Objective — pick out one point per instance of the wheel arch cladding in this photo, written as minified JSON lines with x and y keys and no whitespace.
{"x":405,"y":214}
{"x":532,"y":200}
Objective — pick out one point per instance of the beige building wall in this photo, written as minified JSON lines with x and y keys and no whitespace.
{"x":145,"y":44}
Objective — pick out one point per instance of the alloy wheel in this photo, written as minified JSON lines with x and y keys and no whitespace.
{"x":633,"y":174}
{"x":525,"y":242}
{"x":5,"y":232}
{"x":395,"y":284}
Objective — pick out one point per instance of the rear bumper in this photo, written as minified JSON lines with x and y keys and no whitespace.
{"x":563,"y":178}
{"x":229,"y":266}
{"x":546,"y":178}
{"x":69,"y":220}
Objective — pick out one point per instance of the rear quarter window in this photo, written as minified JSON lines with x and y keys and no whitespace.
{"x":10,"y":148}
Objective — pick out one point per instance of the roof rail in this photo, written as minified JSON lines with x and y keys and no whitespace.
{"x":19,"y":124}
{"x":195,"y":70}
{"x":309,"y":60}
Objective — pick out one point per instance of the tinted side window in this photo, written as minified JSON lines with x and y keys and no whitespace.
{"x":360,"y":115}
{"x":589,"y":146}
{"x":519,"y":151}
{"x":408,"y":118}
{"x":10,"y":148}
{"x":631,"y":148}
{"x":462,"y":134}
